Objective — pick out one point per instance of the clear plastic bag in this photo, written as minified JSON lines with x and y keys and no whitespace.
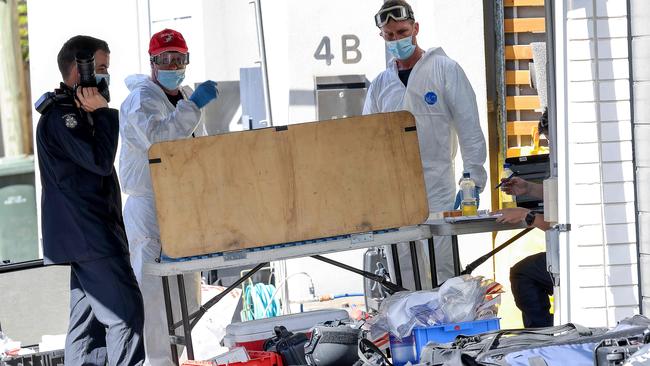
{"x":402,"y":311}
{"x":459,"y":299}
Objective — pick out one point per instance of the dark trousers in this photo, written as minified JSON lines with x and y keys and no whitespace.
{"x":106,"y":314}
{"x":531,"y":286}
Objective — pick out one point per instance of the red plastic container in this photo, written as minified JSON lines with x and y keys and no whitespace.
{"x":252,"y":334}
{"x":256,"y":359}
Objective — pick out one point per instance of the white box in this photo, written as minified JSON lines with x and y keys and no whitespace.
{"x":261,"y":329}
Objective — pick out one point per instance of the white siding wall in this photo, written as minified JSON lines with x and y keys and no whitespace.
{"x":602,"y":260}
{"x":640,"y":11}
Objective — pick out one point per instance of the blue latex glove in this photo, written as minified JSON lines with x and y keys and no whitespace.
{"x":459,"y":198}
{"x":205,"y":93}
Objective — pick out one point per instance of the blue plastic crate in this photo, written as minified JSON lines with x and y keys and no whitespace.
{"x":409,"y":348}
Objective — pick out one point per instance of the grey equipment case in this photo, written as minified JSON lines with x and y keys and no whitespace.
{"x":568,"y":344}
{"x":333,"y":343}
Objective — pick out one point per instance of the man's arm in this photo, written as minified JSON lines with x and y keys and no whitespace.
{"x":461,"y":102}
{"x":141,"y":113}
{"x":370,"y":104}
{"x":517,"y":215}
{"x":516,"y":186}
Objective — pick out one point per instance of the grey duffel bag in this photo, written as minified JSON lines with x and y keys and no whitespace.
{"x":568,"y":344}
{"x":333,"y":343}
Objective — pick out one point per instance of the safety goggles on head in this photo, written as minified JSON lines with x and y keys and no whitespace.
{"x":397,"y":13}
{"x":168,"y":58}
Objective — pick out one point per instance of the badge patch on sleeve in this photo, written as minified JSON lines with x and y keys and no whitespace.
{"x":70,"y":120}
{"x":431,"y":98}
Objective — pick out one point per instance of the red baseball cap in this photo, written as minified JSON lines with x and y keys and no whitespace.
{"x":167,"y":40}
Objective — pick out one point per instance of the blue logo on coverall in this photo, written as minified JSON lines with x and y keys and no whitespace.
{"x":431,"y":98}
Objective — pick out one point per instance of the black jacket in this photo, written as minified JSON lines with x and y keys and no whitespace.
{"x":81,"y":208}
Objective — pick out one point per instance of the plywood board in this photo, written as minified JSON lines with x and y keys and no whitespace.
{"x":518,"y":77}
{"x":519,"y":53}
{"x":521,"y":128}
{"x":522,"y":102}
{"x":290,"y":183}
{"x":523,"y":25}
{"x":511,"y":3}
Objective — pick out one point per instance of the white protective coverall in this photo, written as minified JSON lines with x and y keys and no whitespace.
{"x":147,"y":117}
{"x":442,"y":100}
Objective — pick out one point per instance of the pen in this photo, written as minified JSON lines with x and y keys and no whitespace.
{"x":507,"y":179}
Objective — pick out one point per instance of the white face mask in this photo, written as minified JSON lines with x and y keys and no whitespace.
{"x":171,"y":79}
{"x":401,"y":49}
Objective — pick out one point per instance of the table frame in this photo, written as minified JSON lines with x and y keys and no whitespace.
{"x":262,"y":256}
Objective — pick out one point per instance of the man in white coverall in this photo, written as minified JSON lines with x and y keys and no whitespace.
{"x":436,"y":91}
{"x":157,"y":109}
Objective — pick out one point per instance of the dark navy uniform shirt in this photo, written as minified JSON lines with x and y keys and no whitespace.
{"x":81,"y":208}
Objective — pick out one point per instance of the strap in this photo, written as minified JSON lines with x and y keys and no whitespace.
{"x":366,"y":345}
{"x":281,"y":331}
{"x":537,"y":361}
{"x":583,"y":331}
{"x":493,"y":340}
{"x":339,"y":338}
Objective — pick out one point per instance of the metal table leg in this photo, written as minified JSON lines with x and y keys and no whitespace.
{"x":432,"y":263}
{"x":389,"y":286}
{"x":398,"y":270}
{"x":170,"y":319}
{"x":185,"y":317}
{"x":415,"y":265}
{"x":456,"y":255}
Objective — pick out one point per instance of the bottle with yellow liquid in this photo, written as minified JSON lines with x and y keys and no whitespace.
{"x":469,"y":204}
{"x":507,"y":201}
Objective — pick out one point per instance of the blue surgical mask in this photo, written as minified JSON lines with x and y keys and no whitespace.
{"x":171,"y":79}
{"x":402,"y":48}
{"x":99,"y":77}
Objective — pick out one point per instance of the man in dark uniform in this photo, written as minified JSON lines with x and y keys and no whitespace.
{"x":77,"y":137}
{"x":530,"y":281}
